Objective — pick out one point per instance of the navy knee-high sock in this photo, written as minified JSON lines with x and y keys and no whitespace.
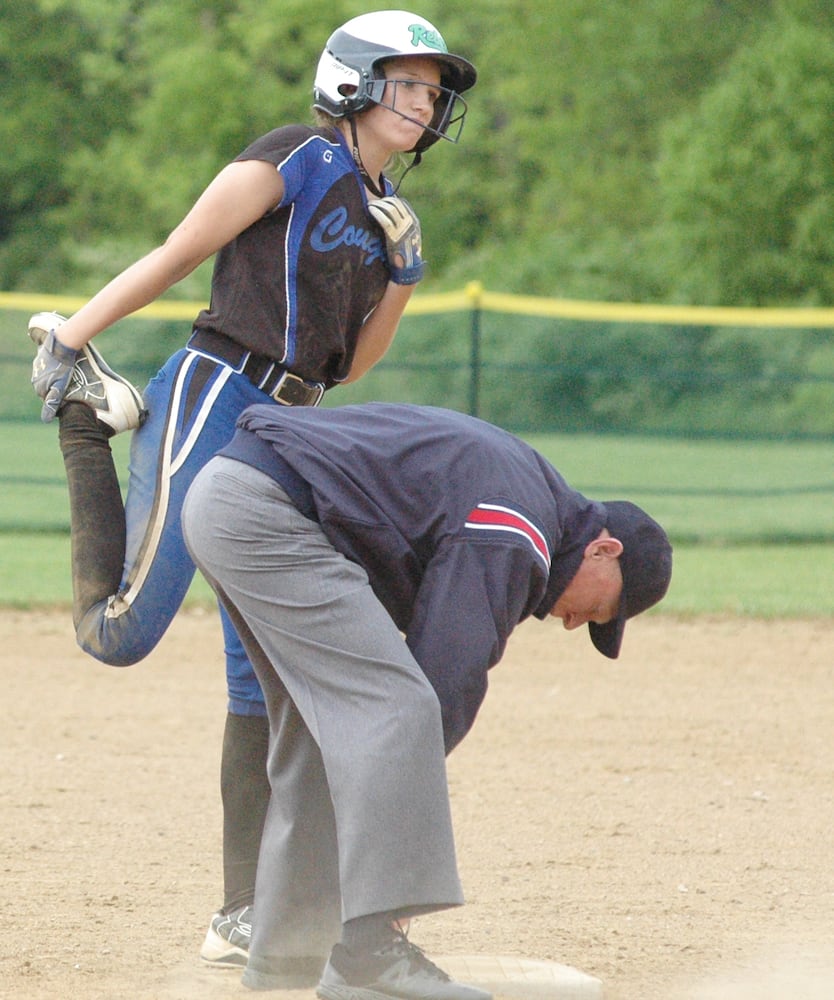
{"x":245,"y":792}
{"x":97,"y":514}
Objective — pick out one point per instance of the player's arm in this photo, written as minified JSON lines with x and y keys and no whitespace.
{"x":403,"y":247}
{"x":471,"y":598}
{"x":238,"y":196}
{"x":378,"y":331}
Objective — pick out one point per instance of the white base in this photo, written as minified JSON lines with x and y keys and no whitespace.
{"x":524,"y":978}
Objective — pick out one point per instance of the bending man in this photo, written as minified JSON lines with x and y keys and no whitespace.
{"x":374,"y":560}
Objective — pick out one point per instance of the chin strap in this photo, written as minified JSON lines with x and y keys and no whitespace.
{"x":363,"y":173}
{"x":360,"y":166}
{"x":414,"y":163}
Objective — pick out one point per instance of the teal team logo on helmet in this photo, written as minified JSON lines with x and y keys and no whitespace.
{"x":422,"y":34}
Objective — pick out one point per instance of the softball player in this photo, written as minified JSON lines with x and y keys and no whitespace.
{"x":329,"y":535}
{"x":316,"y":258}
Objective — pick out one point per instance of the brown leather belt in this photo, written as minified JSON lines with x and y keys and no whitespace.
{"x":264,"y":373}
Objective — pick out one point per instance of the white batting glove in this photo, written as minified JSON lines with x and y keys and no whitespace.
{"x":403,"y":239}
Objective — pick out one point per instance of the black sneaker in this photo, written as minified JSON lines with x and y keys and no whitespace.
{"x":396,"y":969}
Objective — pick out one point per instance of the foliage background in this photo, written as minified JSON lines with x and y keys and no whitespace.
{"x":677,"y":151}
{"x":660,"y":150}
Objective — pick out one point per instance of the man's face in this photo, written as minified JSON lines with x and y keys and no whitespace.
{"x":593,"y":595}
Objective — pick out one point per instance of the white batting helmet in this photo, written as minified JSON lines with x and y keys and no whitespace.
{"x":350,"y":76}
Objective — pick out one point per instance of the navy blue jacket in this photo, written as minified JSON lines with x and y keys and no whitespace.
{"x":464,"y":530}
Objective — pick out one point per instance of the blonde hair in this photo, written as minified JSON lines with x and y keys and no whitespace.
{"x":324,"y":119}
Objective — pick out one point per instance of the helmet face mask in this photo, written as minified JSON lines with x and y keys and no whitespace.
{"x":350,"y":75}
{"x":447,"y":120}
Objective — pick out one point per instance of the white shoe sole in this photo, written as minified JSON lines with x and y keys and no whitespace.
{"x":43,"y":323}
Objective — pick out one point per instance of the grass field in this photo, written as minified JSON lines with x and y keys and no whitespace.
{"x":752,"y":523}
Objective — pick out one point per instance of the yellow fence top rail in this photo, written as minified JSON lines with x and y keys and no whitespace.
{"x":475,"y":297}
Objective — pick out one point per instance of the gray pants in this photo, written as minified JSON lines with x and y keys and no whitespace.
{"x":359,"y":819}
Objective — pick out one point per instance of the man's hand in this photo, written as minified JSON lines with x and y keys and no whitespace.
{"x":51,"y":372}
{"x":403,"y":240}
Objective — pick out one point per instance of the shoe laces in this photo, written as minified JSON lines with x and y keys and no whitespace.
{"x":417,"y":958}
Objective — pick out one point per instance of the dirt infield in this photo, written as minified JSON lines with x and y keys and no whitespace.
{"x":662,"y":822}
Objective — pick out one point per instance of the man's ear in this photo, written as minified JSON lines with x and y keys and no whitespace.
{"x":604,"y":548}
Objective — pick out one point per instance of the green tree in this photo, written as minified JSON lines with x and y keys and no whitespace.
{"x":572,"y":101}
{"x":190,"y":111}
{"x":746,"y":179}
{"x":46,"y":112}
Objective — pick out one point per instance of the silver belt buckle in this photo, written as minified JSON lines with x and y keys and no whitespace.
{"x":294,"y":391}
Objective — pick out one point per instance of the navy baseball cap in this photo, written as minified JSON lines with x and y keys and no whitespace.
{"x":646,"y":565}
